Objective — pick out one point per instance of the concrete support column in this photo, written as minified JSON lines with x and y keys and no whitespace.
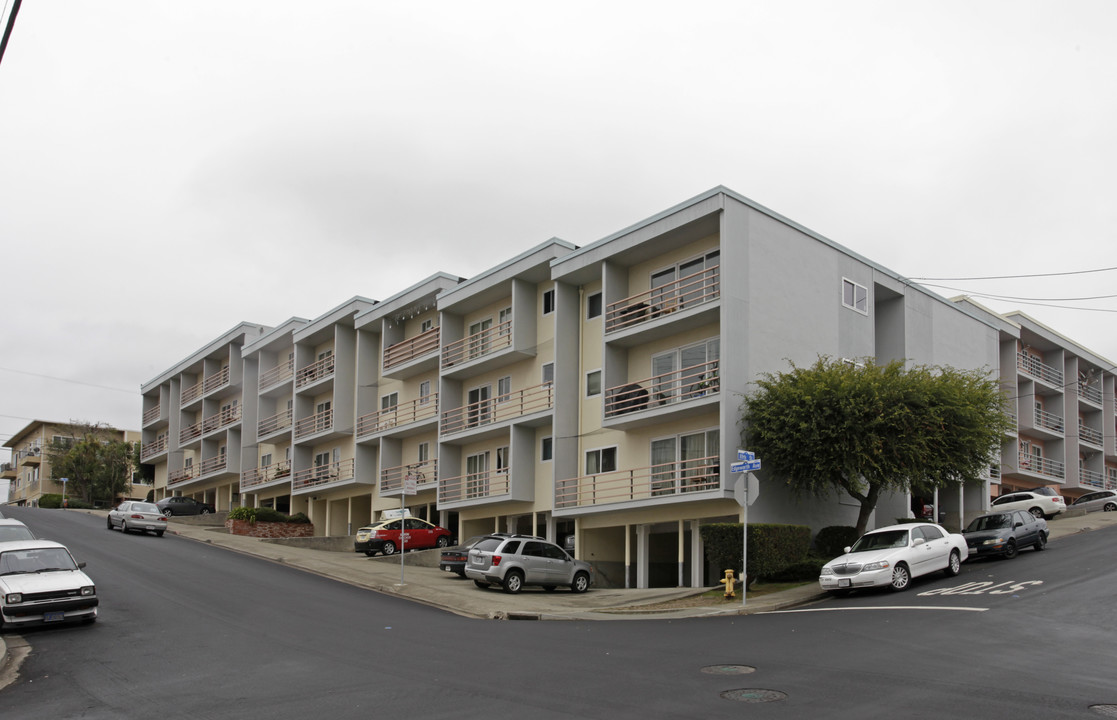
{"x":627,"y":556}
{"x":643,"y":532}
{"x":697,"y":557}
{"x":681,"y":532}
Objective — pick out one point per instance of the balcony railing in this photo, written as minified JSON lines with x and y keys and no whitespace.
{"x":227,"y":416}
{"x":179,"y":476}
{"x":503,"y":407}
{"x":258,"y":476}
{"x":280,"y":421}
{"x":686,"y":292}
{"x":217,"y":380}
{"x":213,"y":464}
{"x":1051,"y":422}
{"x":408,"y":350}
{"x":478,"y":344}
{"x":153,"y":448}
{"x":1090,"y":392}
{"x":192,"y":393}
{"x":277,"y":374}
{"x":671,"y":478}
{"x":424,"y":408}
{"x":474,"y":486}
{"x":425,"y":472}
{"x":1042,"y":465}
{"x":316,"y":423}
{"x":151,"y":415}
{"x":1037,"y":369}
{"x":323,"y":474}
{"x":315,"y":371}
{"x":189,"y":432}
{"x":1091,"y":477}
{"x":686,"y":384}
{"x":1090,"y":435}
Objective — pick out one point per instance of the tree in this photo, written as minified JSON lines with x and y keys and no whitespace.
{"x":869,"y":429}
{"x":97,"y":463}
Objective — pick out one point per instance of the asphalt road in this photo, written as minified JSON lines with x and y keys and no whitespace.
{"x":188,"y":630}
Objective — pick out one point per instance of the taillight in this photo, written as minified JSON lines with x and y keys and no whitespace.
{"x":162,"y":519}
{"x":496,"y":560}
{"x":137,"y":516}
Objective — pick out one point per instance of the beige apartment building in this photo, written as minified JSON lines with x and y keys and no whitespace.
{"x":595,"y":392}
{"x":29,"y":472}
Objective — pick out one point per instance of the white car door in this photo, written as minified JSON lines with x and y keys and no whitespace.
{"x":934,"y":553}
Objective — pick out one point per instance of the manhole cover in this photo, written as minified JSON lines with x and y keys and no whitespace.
{"x":1104,"y":710}
{"x":728,"y":669}
{"x":753,"y":695}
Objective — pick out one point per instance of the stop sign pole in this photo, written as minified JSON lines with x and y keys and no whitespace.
{"x":745,"y":490}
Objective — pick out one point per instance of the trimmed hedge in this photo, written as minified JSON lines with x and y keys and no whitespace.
{"x":771,"y":548}
{"x":833,"y":540}
{"x":265,"y":514}
{"x":54,"y":500}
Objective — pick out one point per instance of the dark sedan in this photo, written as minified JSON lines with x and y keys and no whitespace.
{"x":1004,"y":533}
{"x":454,"y":559}
{"x":184,"y":506}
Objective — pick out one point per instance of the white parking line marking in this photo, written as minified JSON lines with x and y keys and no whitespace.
{"x":882,"y":607}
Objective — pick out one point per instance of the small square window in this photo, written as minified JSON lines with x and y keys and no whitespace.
{"x":855,"y":296}
{"x":593,"y":306}
{"x":593,"y":383}
{"x":548,"y":302}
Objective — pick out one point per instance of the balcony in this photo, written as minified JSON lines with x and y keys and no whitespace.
{"x":320,"y":475}
{"x":478,"y":345}
{"x":150,"y":450}
{"x":256,"y":477}
{"x":1089,"y":435}
{"x":403,"y":358}
{"x":190,"y":432}
{"x":212,"y":465}
{"x":276,"y":423}
{"x":657,"y":481}
{"x":426,"y":474}
{"x":690,"y":383}
{"x":224,"y":418}
{"x":685,"y":293}
{"x":398,"y":416}
{"x":316,"y":371}
{"x":319,"y":422}
{"x":176,"y":477}
{"x":151,"y":415}
{"x":216,"y":381}
{"x":191,"y":393}
{"x":503,"y":408}
{"x":1090,"y":477}
{"x":1048,"y":421}
{"x":1029,"y":365}
{"x":1042,"y":466}
{"x":276,"y":375}
{"x":474,"y":486}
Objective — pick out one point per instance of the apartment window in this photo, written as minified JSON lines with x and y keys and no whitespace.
{"x":548,"y":373}
{"x":548,"y":302}
{"x":547,"y":449}
{"x":855,"y":297}
{"x":424,"y":452}
{"x":424,"y":392}
{"x":502,"y":460}
{"x":389,"y":401}
{"x":322,"y":464}
{"x":602,"y":460}
{"x":593,"y":383}
{"x":479,"y":338}
{"x":688,"y":282}
{"x":687,"y":372}
{"x":593,"y":306}
{"x":265,"y":460}
{"x":503,"y":388}
{"x":477,"y":475}
{"x":188,"y":463}
{"x":505,"y":317}
{"x":426,"y":325}
{"x":685,"y":462}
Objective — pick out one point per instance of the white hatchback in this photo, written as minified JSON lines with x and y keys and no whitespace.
{"x":891,"y":556}
{"x":41,"y":583}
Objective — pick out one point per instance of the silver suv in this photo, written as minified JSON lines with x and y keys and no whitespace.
{"x":519,"y":560}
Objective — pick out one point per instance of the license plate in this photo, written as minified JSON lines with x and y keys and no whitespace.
{"x":844,"y":582}
{"x":54,"y":616}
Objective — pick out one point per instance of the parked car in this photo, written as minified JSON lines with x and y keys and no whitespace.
{"x":171,"y":506}
{"x":41,"y":583}
{"x":515,"y":561}
{"x":454,"y":559}
{"x":13,"y":530}
{"x":1038,"y":502}
{"x":384,"y":536}
{"x":142,"y":516}
{"x":891,"y":556}
{"x":1004,"y":533}
{"x":1105,"y":500}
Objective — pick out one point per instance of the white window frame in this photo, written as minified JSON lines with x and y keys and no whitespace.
{"x":547,"y":369}
{"x":587,"y":385}
{"x":600,"y":454}
{"x":424,"y":392}
{"x":503,"y":389}
{"x":858,"y":304}
{"x":423,"y":452}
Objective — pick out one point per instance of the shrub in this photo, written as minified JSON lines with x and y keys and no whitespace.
{"x":267,"y":514}
{"x":298,"y":518}
{"x":807,"y":569}
{"x":831,"y":541}
{"x":50,"y":500}
{"x":243,"y":513}
{"x":771,"y":548}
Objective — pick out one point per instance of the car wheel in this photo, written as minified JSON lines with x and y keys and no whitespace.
{"x":901,"y":578}
{"x":123,"y":526}
{"x":1110,"y":507}
{"x":370,"y":553}
{"x":481,"y":584}
{"x":1036,"y":512}
{"x":389,"y":548}
{"x":109,"y":520}
{"x":168,"y":513}
{"x":513,"y":582}
{"x":442,"y":541}
{"x":205,"y":511}
{"x":581,"y":582}
{"x":1010,"y":550}
{"x":955,"y":565}
{"x":1041,"y":542}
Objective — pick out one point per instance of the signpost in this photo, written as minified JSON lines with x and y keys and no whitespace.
{"x":64,"y":481}
{"x":746,"y":492}
{"x":410,"y":487}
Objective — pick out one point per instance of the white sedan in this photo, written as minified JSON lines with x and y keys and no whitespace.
{"x":141,"y":516}
{"x":891,"y":556}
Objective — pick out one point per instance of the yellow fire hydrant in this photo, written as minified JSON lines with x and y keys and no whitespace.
{"x":727,"y":581}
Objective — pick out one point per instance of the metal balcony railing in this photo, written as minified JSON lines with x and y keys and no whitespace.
{"x":279,"y":373}
{"x":1090,"y":392}
{"x":151,"y":415}
{"x":218,"y":380}
{"x":315,"y":371}
{"x":407,"y":350}
{"x":280,"y":421}
{"x":1047,"y":420}
{"x":686,"y":384}
{"x":499,"y":409}
{"x":474,"y":486}
{"x":1091,"y":477}
{"x":696,"y":289}
{"x":425,"y":473}
{"x":323,"y":474}
{"x":478,"y":344}
{"x":226,"y":416}
{"x":260,"y":475}
{"x":192,"y":393}
{"x":644,"y":483}
{"x":1090,"y":435}
{"x":414,"y":411}
{"x":316,"y":423}
{"x":1037,"y":369}
{"x":153,"y":448}
{"x":189,"y":432}
{"x":180,"y":476}
{"x":213,"y":464}
{"x":1042,"y":465}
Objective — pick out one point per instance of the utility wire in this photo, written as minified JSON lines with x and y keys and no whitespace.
{"x":8,"y":27}
{"x":75,"y":382}
{"x":1016,"y":277}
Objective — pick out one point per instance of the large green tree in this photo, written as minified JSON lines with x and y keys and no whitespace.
{"x":93,"y":458}
{"x":867,"y":429}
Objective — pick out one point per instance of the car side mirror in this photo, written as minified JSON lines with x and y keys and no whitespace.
{"x":917,"y":542}
{"x":81,"y":566}
{"x":846,"y":549}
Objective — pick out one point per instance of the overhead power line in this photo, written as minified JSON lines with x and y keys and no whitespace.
{"x":75,"y":382}
{"x":8,"y":27}
{"x":1017,"y":277}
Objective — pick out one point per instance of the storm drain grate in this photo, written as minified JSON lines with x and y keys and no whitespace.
{"x":728,"y":669}
{"x":753,"y":695}
{"x":1104,"y":710}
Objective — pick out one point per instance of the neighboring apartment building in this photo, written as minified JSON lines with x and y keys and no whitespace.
{"x":596,"y":392}
{"x":29,"y":470}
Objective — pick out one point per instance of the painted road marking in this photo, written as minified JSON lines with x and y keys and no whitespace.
{"x":882,"y":607}
{"x":986,"y":587}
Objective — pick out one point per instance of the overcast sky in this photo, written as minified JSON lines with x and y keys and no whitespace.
{"x":169,"y":169}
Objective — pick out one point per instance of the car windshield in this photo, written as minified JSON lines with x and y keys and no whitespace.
{"x":14,"y":532}
{"x":989,"y":522}
{"x":881,"y":540}
{"x":35,"y":560}
{"x":144,"y":507}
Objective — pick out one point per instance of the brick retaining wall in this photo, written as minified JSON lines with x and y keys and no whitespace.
{"x":269,"y":529}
